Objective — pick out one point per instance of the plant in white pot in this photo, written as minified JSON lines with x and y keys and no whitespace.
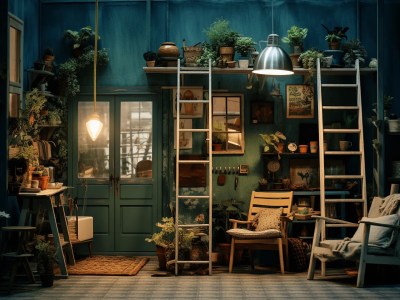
{"x":244,"y":45}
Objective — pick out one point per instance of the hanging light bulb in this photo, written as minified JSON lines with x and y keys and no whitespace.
{"x":94,"y":125}
{"x":273,"y":60}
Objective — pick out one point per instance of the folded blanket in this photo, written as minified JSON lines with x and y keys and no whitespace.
{"x":348,"y":249}
{"x":390,"y":205}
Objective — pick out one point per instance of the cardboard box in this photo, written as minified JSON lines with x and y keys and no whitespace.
{"x":85,"y":228}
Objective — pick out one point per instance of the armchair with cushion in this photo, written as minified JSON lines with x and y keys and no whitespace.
{"x":266,"y":225}
{"x":381,"y":229}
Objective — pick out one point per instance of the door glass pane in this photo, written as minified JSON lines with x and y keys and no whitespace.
{"x":93,"y":156}
{"x":15,"y":55}
{"x":136,"y":149}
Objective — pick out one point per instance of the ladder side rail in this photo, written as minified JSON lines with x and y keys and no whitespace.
{"x":210,"y":167}
{"x":321,"y":144}
{"x":177,"y":163}
{"x":361,"y":141}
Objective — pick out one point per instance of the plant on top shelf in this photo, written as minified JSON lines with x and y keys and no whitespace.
{"x":309,"y":58}
{"x":295,"y":37}
{"x":335,"y":36}
{"x":206,"y":55}
{"x":80,"y":39}
{"x":150,"y":56}
{"x":244,"y":45}
{"x":354,"y":50}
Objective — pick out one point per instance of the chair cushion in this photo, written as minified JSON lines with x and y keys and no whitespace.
{"x":268,"y":218}
{"x":249,"y":234}
{"x":379,"y":236}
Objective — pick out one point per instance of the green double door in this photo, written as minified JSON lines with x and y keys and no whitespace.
{"x":116,"y":176}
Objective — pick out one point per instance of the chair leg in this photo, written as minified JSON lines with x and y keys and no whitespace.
{"x":287,"y":262}
{"x":311,"y":267}
{"x":251,"y":256}
{"x":281,"y":262}
{"x":232,"y":255}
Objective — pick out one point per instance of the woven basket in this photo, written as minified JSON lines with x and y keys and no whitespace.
{"x":191,"y":54}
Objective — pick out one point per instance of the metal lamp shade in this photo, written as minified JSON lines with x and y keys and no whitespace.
{"x":273,"y":60}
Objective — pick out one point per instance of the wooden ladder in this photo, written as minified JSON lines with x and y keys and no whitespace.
{"x":207,"y":195}
{"x":333,"y":101}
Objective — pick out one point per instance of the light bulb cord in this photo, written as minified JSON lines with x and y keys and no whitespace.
{"x":272,"y":16}
{"x":96,"y":26}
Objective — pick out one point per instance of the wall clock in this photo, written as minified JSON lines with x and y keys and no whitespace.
{"x":292,"y":147}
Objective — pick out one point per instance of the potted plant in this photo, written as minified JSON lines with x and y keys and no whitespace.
{"x":222,"y":39}
{"x":80,"y":39}
{"x":295,"y":37}
{"x":244,"y":45}
{"x":207,"y":54}
{"x":46,"y":257}
{"x":273,"y":142}
{"x":335,"y":36}
{"x":354,"y":50}
{"x":150,"y":58}
{"x":309,"y":57}
{"x":218,"y":140}
{"x":165,"y":241}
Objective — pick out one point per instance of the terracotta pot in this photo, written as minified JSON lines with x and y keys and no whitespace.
{"x":334,"y":45}
{"x":294,"y":57}
{"x":43,"y":182}
{"x":227,"y":53}
{"x":162,"y":261}
{"x":168,"y":49}
{"x":281,"y":147}
{"x":150,"y":63}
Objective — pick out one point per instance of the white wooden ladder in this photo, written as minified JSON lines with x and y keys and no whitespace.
{"x":334,"y":100}
{"x":207,"y":161}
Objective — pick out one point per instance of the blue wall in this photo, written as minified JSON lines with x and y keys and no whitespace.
{"x":124,"y":32}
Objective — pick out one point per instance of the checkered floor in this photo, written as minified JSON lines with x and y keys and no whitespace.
{"x":242,"y":284}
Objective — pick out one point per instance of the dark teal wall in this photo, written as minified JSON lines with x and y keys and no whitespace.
{"x":123,"y":28}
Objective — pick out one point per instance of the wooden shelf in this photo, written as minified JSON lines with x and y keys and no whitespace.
{"x":297,"y":71}
{"x":292,"y":155}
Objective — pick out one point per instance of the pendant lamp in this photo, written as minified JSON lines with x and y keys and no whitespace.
{"x":273,"y":60}
{"x":94,"y":125}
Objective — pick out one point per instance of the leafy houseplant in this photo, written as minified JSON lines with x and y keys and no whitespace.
{"x":150,"y":58}
{"x":334,"y":36}
{"x":220,"y":35}
{"x":80,"y":39}
{"x":295,"y":37}
{"x":309,"y":58}
{"x":45,"y":260}
{"x":206,"y":55}
{"x":354,"y":50}
{"x":243,"y":45}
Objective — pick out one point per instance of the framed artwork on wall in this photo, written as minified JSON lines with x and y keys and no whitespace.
{"x":185,"y":138}
{"x":262,"y":112}
{"x":188,"y":110}
{"x":299,"y":101}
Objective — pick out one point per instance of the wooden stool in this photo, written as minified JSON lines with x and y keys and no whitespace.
{"x":18,"y":255}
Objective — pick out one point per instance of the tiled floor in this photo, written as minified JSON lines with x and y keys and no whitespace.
{"x":242,"y":284}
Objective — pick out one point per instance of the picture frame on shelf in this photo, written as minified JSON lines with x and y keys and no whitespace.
{"x":299,"y":101}
{"x":262,"y":112}
{"x":188,"y":110}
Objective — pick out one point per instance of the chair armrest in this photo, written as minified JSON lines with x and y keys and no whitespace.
{"x":240,"y":221}
{"x":331,"y":220}
{"x":381,"y":224}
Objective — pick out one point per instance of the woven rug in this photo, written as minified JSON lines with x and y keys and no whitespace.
{"x":108,"y":265}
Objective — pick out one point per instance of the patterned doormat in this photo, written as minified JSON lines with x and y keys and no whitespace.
{"x":108,"y":265}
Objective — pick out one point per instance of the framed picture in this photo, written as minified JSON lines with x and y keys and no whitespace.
{"x":262,"y":112}
{"x":185,"y":138}
{"x":299,"y":101}
{"x":189,"y":110}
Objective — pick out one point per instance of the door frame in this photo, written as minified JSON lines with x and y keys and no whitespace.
{"x":156,"y":158}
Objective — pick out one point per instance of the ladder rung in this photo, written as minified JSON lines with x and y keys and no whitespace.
{"x":193,"y":261}
{"x":193,"y":101}
{"x":342,"y":130}
{"x":340,"y":85}
{"x":193,"y":197}
{"x":344,"y":176}
{"x":194,"y":161}
{"x":193,"y":225}
{"x":342,"y":225}
{"x":340,"y":200}
{"x":343,"y":152}
{"x":329,"y":107}
{"x":194,"y":130}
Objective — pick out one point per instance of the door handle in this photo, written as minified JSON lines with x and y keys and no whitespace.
{"x":117,"y":184}
{"x":111,"y":180}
